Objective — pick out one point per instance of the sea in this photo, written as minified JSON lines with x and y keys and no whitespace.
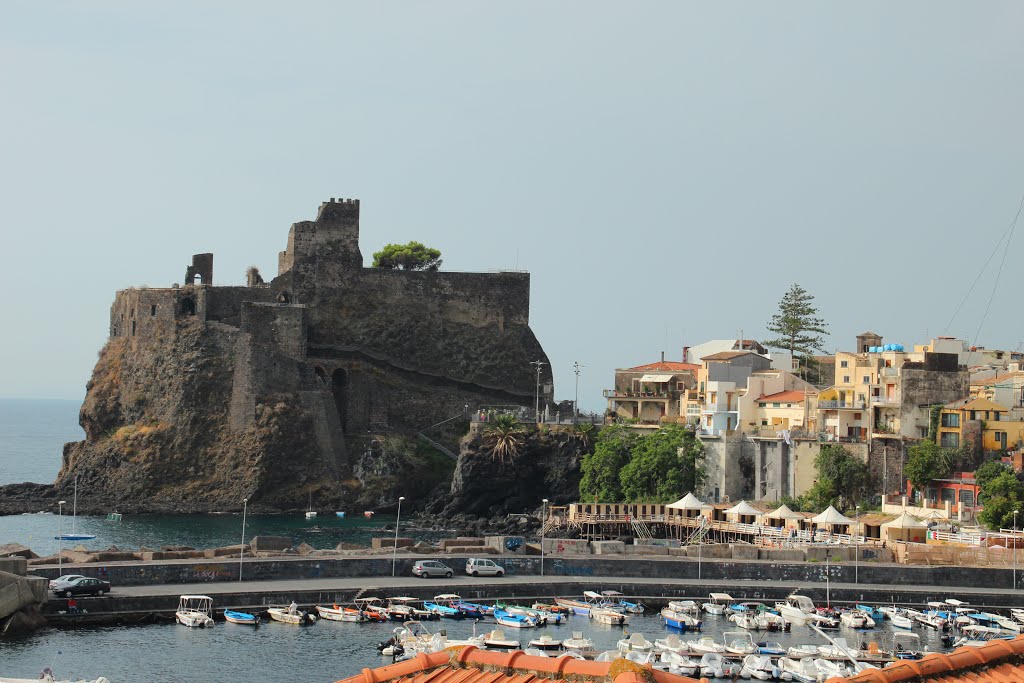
{"x":32,"y":434}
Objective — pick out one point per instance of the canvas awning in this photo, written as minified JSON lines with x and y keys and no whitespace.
{"x":656,"y":378}
{"x":687,"y":502}
{"x":784,"y":513}
{"x":743,"y":508}
{"x":831,"y":516}
{"x":905,"y":521}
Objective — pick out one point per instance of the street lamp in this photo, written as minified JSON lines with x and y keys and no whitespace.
{"x":856,"y":548}
{"x":543,"y":519}
{"x":1015,"y":513}
{"x":394,"y":552}
{"x":60,"y":536}
{"x":700,"y":544}
{"x":536,"y":401}
{"x":241,"y":548}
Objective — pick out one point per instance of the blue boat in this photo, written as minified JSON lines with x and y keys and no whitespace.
{"x":680,"y":620}
{"x":241,"y":618}
{"x":514,"y":620}
{"x":445,"y":609}
{"x":771,"y":649}
{"x":876,"y":615}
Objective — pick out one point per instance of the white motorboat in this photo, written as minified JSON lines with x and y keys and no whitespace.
{"x":976,"y":635}
{"x":711,"y":665}
{"x":717,"y":602}
{"x":901,"y":621}
{"x":1007,"y":623}
{"x":739,"y":643}
{"x":578,"y":643}
{"x":759,"y":667}
{"x":310,"y":512}
{"x":856,"y":619}
{"x":535,"y":652}
{"x":291,"y":615}
{"x":336,"y":613}
{"x":680,"y":664}
{"x":602,"y":615}
{"x":828,"y":669}
{"x":414,"y":637}
{"x":683,"y":621}
{"x":752,"y":621}
{"x":496,"y":639}
{"x":1017,"y":614}
{"x":608,"y":656}
{"x":802,"y":670}
{"x":687,"y":606}
{"x":837,"y":649}
{"x":195,"y":611}
{"x":705,"y":645}
{"x":635,"y":642}
{"x":802,"y":651}
{"x":931,"y":618}
{"x":797,"y":609}
{"x":671,"y":643}
{"x":906,"y":646}
{"x":545,"y":642}
{"x":46,"y":676}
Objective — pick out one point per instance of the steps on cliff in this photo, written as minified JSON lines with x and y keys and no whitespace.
{"x":438,"y":446}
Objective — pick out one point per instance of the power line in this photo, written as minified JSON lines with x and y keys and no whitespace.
{"x":998,"y":244}
{"x":999,"y":272}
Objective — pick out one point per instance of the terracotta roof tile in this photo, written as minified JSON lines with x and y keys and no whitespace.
{"x":472,"y":665}
{"x":791,"y":396}
{"x":1000,"y":661}
{"x":726,"y":355}
{"x":668,"y":365}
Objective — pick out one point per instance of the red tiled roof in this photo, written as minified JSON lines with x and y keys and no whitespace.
{"x":472,"y":665}
{"x":667,"y":365}
{"x":999,"y":661}
{"x":791,"y":396}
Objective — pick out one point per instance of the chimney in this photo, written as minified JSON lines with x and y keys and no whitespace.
{"x":686,"y":354}
{"x":662,"y":356}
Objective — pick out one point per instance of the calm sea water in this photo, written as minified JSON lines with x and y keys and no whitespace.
{"x":326,"y":651}
{"x":32,"y":436}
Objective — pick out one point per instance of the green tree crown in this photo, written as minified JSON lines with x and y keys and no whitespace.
{"x":797,"y":325}
{"x":842,"y":479}
{"x":411,"y":256}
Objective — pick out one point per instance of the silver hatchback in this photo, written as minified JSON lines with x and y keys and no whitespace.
{"x":428,"y":568}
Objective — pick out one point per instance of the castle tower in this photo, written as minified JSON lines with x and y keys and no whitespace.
{"x":321,"y":253}
{"x":866,"y":340}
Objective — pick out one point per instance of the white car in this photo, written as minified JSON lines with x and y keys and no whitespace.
{"x":481,"y":566}
{"x":64,"y":580}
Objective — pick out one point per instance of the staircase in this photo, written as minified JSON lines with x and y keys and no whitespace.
{"x":698,"y":534}
{"x":438,"y":446}
{"x":640,"y":529}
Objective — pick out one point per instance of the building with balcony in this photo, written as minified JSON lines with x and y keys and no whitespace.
{"x":650,"y":394}
{"x":721,"y":380}
{"x":793,"y":410}
{"x":1006,"y":389}
{"x":979,"y":423}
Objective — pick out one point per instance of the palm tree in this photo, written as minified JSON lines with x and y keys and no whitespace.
{"x":584,"y":433}
{"x":504,"y":436}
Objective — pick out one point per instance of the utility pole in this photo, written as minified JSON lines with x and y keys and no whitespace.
{"x":577,"y":366}
{"x":536,"y":401}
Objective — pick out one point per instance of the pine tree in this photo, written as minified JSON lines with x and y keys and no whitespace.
{"x":797,"y":325}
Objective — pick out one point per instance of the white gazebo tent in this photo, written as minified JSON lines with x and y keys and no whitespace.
{"x":744,"y":512}
{"x":906,"y":527}
{"x":781,"y":517}
{"x":689,"y":504}
{"x":833,"y":518}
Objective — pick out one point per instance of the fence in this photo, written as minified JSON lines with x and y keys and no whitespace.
{"x":953,"y":555}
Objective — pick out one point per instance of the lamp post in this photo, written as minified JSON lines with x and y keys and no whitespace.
{"x":60,"y":536}
{"x":241,"y":548}
{"x":700,"y":545}
{"x":577,"y":366}
{"x":856,"y":548}
{"x":536,"y":401}
{"x":1015,"y":513}
{"x":394,"y":552}
{"x":543,"y":520}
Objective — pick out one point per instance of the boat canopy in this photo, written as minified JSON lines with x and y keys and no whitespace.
{"x":721,"y":597}
{"x":196,"y":597}
{"x":611,"y":594}
{"x":592,"y":594}
{"x":367,"y":600}
{"x":448,"y":596}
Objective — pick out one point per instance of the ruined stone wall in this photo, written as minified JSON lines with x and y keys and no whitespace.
{"x":938,"y":380}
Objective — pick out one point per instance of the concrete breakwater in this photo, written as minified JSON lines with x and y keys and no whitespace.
{"x":188,"y":571}
{"x":20,"y":597}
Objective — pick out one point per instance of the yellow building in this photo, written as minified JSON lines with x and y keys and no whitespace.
{"x":964,"y":421}
{"x":792,"y":410}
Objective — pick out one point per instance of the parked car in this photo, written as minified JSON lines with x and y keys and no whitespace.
{"x":481,"y":566}
{"x":83,"y":585}
{"x":63,"y":579}
{"x":427,"y":568}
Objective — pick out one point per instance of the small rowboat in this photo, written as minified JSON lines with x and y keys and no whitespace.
{"x":241,"y":618}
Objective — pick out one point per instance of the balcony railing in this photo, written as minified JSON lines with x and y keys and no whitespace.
{"x":885,"y":400}
{"x":620,"y":393}
{"x":842,"y":405}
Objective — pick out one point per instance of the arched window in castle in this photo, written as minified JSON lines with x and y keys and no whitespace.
{"x":284,"y":297}
{"x":321,"y":375}
{"x":188,"y":305}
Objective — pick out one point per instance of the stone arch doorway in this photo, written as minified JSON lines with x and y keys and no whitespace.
{"x":339,"y":389}
{"x":320,"y":375}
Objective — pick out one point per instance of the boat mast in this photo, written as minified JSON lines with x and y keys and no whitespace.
{"x":74,"y":509}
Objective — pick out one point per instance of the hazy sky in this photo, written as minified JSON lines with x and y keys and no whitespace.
{"x":664,"y":170}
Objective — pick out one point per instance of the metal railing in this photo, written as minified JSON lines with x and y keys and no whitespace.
{"x":838,"y":405}
{"x":626,"y":393}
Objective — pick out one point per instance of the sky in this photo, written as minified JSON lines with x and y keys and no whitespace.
{"x":665,"y":170}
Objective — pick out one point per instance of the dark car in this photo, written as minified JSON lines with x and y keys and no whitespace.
{"x":84,"y":585}
{"x":428,"y":568}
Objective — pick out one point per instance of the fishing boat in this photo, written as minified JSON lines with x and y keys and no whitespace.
{"x":738,"y":643}
{"x":441,"y":606}
{"x":74,"y":535}
{"x":241,"y":618}
{"x":195,"y":611}
{"x":680,"y":620}
{"x":717,"y":603}
{"x":855,"y":618}
{"x":373,"y":607}
{"x":496,"y":639}
{"x":510,"y":620}
{"x":876,"y":614}
{"x":551,"y":607}
{"x":907,"y":646}
{"x":688,"y":606}
{"x":404,"y":609}
{"x":636,"y":642}
{"x":546,"y":643}
{"x":468,"y":609}
{"x":578,"y":643}
{"x":291,"y":615}
{"x":602,"y":615}
{"x":615,"y":600}
{"x":543,"y":618}
{"x":581,"y":607}
{"x":336,"y":613}
{"x":475,"y":609}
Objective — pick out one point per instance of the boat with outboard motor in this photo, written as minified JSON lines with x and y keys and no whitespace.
{"x":194,"y":611}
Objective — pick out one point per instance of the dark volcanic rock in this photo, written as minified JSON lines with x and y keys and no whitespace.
{"x":548,"y":466}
